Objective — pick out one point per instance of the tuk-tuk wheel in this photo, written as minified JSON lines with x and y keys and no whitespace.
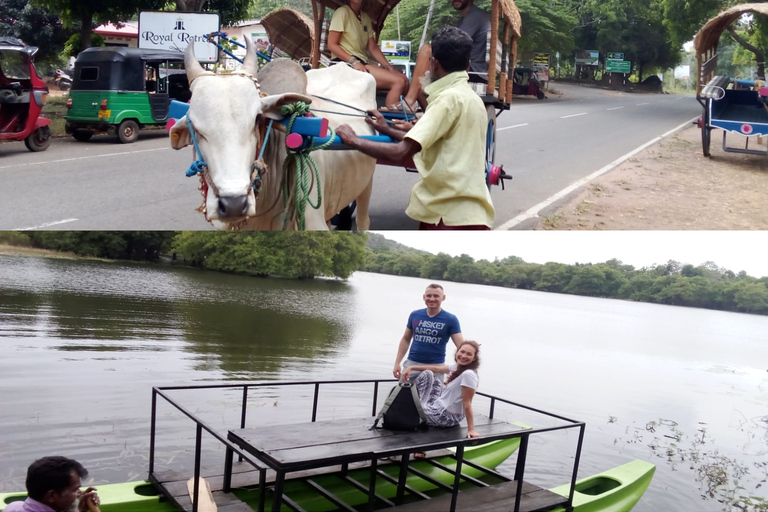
{"x":540,"y":95}
{"x":128,"y":131}
{"x":82,"y":135}
{"x":39,"y":140}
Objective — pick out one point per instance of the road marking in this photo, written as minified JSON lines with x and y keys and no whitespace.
{"x":534,"y":211}
{"x":646,"y":103}
{"x":574,"y":115}
{"x":510,"y":127}
{"x":614,"y":108}
{"x":82,"y":158}
{"x":47,"y":224}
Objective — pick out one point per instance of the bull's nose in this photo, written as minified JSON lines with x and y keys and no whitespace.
{"x":233,"y":206}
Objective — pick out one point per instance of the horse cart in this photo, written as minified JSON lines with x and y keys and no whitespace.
{"x":730,"y":104}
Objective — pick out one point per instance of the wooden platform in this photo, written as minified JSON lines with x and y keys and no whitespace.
{"x":494,"y":498}
{"x":307,"y":445}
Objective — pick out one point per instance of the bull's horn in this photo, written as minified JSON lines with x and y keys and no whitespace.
{"x":251,"y":61}
{"x":193,"y":67}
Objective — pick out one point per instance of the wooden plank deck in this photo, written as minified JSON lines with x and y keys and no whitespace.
{"x":494,"y":498}
{"x":332,"y":442}
{"x":174,"y":483}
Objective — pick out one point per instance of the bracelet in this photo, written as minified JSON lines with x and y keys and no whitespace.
{"x":353,"y":60}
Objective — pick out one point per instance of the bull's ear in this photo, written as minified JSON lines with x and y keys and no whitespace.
{"x":270,"y":105}
{"x":180,"y":134}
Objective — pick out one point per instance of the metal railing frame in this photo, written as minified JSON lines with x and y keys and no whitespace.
{"x":232,"y":448}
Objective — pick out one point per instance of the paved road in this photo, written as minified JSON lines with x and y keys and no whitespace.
{"x":546,"y":145}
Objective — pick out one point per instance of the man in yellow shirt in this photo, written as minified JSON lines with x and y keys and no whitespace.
{"x":447,"y":144}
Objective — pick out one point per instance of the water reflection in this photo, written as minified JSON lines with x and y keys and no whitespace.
{"x":243,"y":326}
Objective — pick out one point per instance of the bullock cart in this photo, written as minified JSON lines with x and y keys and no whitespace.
{"x":495,"y":89}
{"x":735,"y":106}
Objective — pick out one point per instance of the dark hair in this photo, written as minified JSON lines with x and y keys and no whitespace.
{"x":51,"y":474}
{"x":434,"y":285}
{"x":471,"y":366}
{"x":452,"y":47}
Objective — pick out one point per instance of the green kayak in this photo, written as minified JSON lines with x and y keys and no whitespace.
{"x":142,"y":496}
{"x":615,"y":490}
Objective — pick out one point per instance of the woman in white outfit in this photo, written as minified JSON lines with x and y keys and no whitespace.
{"x":446,"y":406}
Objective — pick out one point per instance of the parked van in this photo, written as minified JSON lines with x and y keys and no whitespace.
{"x":119,"y":90}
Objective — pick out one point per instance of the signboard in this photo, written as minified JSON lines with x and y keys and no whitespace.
{"x":618,"y":66}
{"x":174,"y":30}
{"x":587,"y":57}
{"x":541,"y":66}
{"x":683,"y":72}
{"x":614,"y":56}
{"x":396,"y":51}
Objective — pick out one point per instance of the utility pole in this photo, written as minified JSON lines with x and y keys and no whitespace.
{"x":426,"y":23}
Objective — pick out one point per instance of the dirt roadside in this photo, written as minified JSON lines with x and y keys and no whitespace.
{"x":672,"y":186}
{"x":667,"y":186}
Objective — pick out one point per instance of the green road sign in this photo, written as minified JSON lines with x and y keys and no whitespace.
{"x":614,"y":56}
{"x":618,"y":66}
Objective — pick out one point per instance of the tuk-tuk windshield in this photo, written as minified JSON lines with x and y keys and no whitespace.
{"x":14,"y":64}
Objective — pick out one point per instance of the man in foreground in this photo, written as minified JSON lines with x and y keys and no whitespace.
{"x":447,"y":144}
{"x":53,"y":485}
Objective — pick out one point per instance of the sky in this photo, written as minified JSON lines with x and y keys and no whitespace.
{"x":733,"y":250}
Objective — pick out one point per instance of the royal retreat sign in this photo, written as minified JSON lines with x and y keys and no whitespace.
{"x":173,"y":31}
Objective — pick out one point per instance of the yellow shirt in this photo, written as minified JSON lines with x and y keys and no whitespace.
{"x":451,"y":162}
{"x":354,"y":34}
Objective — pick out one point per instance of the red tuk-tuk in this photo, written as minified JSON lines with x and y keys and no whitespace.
{"x":22,"y":96}
{"x":526,"y":83}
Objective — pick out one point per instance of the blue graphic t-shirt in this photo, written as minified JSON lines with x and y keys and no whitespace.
{"x":431,"y":335}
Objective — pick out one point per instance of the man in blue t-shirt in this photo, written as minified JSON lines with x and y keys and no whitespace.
{"x":428,"y":332}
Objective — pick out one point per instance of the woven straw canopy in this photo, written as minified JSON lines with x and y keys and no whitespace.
{"x":710,"y":33}
{"x":378,"y":10}
{"x":290,"y":31}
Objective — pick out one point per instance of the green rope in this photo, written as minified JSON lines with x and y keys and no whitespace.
{"x":304,"y":164}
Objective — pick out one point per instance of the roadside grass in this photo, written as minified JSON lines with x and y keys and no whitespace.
{"x":552,"y":221}
{"x":55,"y":109}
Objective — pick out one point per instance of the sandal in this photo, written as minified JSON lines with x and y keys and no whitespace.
{"x":397,"y":108}
{"x":419,"y":455}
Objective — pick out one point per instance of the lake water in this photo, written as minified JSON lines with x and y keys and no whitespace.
{"x":84,"y":342}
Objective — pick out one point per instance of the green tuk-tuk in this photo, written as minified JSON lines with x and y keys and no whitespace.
{"x":120,"y":90}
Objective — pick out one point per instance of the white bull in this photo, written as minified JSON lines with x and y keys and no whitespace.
{"x":229,"y":118}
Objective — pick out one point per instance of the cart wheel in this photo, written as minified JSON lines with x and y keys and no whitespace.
{"x":82,"y":135}
{"x":540,"y":95}
{"x":128,"y":131}
{"x":39,"y":140}
{"x":490,"y":142}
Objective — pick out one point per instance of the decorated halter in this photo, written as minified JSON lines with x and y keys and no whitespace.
{"x":199,"y":167}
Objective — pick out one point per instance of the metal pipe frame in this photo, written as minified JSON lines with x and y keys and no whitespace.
{"x":232,"y":448}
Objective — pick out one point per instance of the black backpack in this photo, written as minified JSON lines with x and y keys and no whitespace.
{"x":402,"y":410}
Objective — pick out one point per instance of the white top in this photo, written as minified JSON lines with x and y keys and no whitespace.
{"x":450,"y":399}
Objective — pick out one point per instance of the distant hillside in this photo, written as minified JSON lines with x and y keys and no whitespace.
{"x":378,"y":243}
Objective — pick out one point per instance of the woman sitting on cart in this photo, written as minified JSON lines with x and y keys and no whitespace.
{"x":446,"y":406}
{"x":349,"y":36}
